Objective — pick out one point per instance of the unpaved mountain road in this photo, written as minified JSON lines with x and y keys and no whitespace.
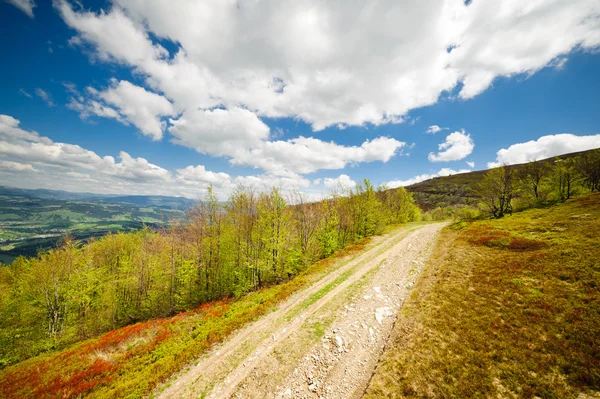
{"x":325,"y":340}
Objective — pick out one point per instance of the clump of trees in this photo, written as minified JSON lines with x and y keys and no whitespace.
{"x":223,"y":249}
{"x":538,"y":183}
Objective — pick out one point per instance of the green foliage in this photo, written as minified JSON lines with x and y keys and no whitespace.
{"x":588,"y":167}
{"x":328,"y":234}
{"x":497,"y":190}
{"x":131,"y":361}
{"x":253,"y":241}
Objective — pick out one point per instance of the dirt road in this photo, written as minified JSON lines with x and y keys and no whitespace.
{"x":325,"y":340}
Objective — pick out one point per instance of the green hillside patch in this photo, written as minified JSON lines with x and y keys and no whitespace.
{"x":132,"y":361}
{"x":507,"y":308}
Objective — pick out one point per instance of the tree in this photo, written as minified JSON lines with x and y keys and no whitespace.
{"x":368,"y":210}
{"x":564,"y":177}
{"x":588,"y":166}
{"x":328,"y":234}
{"x":531,"y":175}
{"x":273,"y":229}
{"x":399,"y":205}
{"x":307,"y":217}
{"x":497,"y":190}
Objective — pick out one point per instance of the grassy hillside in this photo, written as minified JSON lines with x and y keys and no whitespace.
{"x":458,"y":189}
{"x":505,"y":308}
{"x":134,"y":360}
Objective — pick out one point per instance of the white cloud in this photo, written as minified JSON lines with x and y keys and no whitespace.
{"x":425,"y":176}
{"x":219,"y":131}
{"x":26,"y":6}
{"x":126,"y":103}
{"x":139,"y":106}
{"x":115,"y":36}
{"x":23,"y":92}
{"x":20,"y":146}
{"x":193,"y":175}
{"x":10,"y":131}
{"x":367,"y":63}
{"x":265,"y":182}
{"x":306,"y":154}
{"x":16,"y":166}
{"x":471,"y":164}
{"x":456,"y":146}
{"x":342,"y":181}
{"x":23,"y":152}
{"x":45,"y":96}
{"x":433,"y":129}
{"x":544,"y":147}
{"x":87,"y":108}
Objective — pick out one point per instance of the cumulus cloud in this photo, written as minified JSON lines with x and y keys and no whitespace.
{"x":219,"y":131}
{"x":367,"y":64}
{"x":471,"y":164}
{"x":45,"y":96}
{"x":456,"y":146}
{"x":25,"y":147}
{"x":126,"y":103}
{"x":193,"y":175}
{"x":30,"y":160}
{"x":26,"y":6}
{"x":544,"y":147}
{"x":266,"y":182}
{"x":433,"y":129}
{"x":16,"y":166}
{"x":425,"y":176}
{"x":342,"y":181}
{"x":306,"y":154}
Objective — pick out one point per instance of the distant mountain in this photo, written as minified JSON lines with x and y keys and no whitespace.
{"x":158,"y":201}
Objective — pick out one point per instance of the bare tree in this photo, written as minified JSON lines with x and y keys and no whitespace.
{"x":497,"y":190}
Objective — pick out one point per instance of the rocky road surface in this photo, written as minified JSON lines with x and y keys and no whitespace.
{"x":324,"y":341}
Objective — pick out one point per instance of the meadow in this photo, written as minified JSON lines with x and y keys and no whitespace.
{"x":505,"y":308}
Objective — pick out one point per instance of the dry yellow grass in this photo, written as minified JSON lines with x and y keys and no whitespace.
{"x":505,"y":309}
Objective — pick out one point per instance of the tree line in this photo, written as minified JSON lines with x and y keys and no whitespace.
{"x":221,"y":250}
{"x":537,"y":183}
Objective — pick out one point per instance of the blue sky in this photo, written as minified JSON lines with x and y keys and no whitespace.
{"x":132,"y":97}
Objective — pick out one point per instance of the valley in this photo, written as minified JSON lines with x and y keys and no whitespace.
{"x":34,"y":220}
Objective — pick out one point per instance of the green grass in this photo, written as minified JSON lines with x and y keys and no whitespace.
{"x":506,"y":308}
{"x":132,"y":361}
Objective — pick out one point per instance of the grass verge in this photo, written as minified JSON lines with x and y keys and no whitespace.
{"x":507,"y":308}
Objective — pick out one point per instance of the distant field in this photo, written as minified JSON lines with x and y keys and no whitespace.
{"x":506,"y":308}
{"x":29,"y":224}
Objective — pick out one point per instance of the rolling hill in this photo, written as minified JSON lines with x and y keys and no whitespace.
{"x":460,"y":188}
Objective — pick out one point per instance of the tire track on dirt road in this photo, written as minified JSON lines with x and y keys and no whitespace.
{"x":236,"y":364}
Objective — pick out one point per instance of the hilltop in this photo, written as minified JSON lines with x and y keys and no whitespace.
{"x":460,"y":188}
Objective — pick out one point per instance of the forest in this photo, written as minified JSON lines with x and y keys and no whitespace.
{"x":220,"y":250}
